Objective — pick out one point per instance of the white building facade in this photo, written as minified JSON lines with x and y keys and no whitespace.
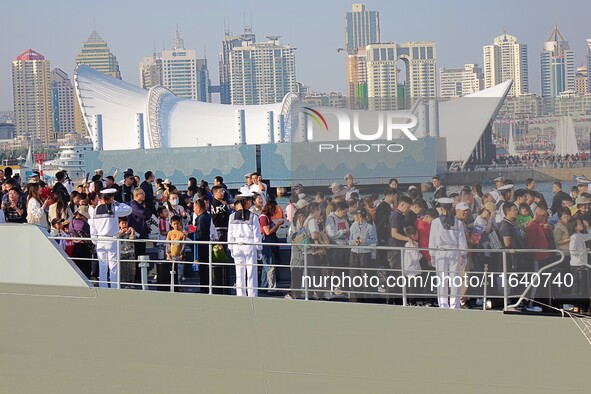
{"x":506,"y":59}
{"x":261,"y":73}
{"x":458,"y":82}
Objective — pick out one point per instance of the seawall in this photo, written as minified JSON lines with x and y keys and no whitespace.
{"x":518,"y":175}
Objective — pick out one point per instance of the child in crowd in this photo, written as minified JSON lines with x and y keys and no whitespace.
{"x":163,"y":225}
{"x":353,"y":206}
{"x":126,"y":252}
{"x":578,"y":258}
{"x":412,"y":262}
{"x":362,"y":233}
{"x":574,"y":192}
{"x":174,"y":252}
{"x":60,"y":228}
{"x":523,"y":218}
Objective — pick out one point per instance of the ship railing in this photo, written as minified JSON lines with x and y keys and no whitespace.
{"x":500,"y":276}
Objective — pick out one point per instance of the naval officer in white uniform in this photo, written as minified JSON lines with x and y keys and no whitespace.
{"x":447,"y":233}
{"x":244,"y":226}
{"x":104,"y":222}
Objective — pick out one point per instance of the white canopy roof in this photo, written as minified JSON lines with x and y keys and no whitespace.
{"x":170,"y":121}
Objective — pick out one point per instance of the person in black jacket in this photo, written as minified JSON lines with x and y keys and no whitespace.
{"x":440,"y":190}
{"x":559,"y":197}
{"x":146,"y":186}
{"x":202,"y":222}
{"x":138,"y":221}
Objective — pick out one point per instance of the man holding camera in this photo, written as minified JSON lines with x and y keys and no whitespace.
{"x":104,"y":223}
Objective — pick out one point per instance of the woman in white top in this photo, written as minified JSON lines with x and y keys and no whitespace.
{"x":36,"y":210}
{"x":578,"y":258}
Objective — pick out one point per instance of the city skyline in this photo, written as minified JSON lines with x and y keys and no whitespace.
{"x":132,"y":32}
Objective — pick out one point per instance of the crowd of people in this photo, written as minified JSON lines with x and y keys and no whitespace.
{"x":449,"y":224}
{"x":543,"y":159}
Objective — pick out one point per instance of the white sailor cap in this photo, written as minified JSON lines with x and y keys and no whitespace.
{"x":245,"y":195}
{"x":581,"y":180}
{"x":505,"y":187}
{"x":109,"y":191}
{"x":499,"y":179}
{"x":247,"y":175}
{"x":462,"y":206}
{"x":445,"y":200}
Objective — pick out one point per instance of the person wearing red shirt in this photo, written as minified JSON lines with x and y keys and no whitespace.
{"x":424,"y":227}
{"x":538,"y":236}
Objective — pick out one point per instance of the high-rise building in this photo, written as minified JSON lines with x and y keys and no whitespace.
{"x":31,"y":92}
{"x":588,"y":64}
{"x":557,"y":66}
{"x":62,"y":103}
{"x":506,"y":59}
{"x":383,"y":75}
{"x":361,"y":29}
{"x":357,"y":79}
{"x":151,"y":71}
{"x":581,"y":80}
{"x":96,"y":54}
{"x":230,"y":42}
{"x":458,"y":82}
{"x":262,"y":72}
{"x":184,"y":74}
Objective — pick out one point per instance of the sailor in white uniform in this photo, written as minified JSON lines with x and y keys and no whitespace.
{"x":243,"y":226}
{"x":500,"y":181}
{"x":245,"y":189}
{"x":104,"y":222}
{"x":505,"y":193}
{"x":447,"y":233}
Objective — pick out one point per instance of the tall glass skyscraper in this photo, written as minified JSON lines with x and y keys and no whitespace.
{"x":96,"y":54}
{"x":362,"y":28}
{"x":588,"y":64}
{"x":230,"y":42}
{"x":557,"y":66}
{"x":62,"y":102}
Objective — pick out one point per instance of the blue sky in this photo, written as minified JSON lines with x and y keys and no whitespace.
{"x":460,"y":28}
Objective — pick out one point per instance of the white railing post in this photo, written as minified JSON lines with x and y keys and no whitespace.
{"x":402,"y":272}
{"x":305,"y":273}
{"x":172,"y":276}
{"x":485,"y":284}
{"x":143,"y":265}
{"x":118,"y":265}
{"x":505,"y":286}
{"x":210,"y":268}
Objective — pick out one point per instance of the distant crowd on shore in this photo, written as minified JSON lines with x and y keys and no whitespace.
{"x":543,"y":159}
{"x":505,"y":218}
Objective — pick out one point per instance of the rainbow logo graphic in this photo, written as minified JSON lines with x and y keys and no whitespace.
{"x":317,"y":116}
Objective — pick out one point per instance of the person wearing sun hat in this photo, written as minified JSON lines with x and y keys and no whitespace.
{"x":350,"y":186}
{"x":104,"y":223}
